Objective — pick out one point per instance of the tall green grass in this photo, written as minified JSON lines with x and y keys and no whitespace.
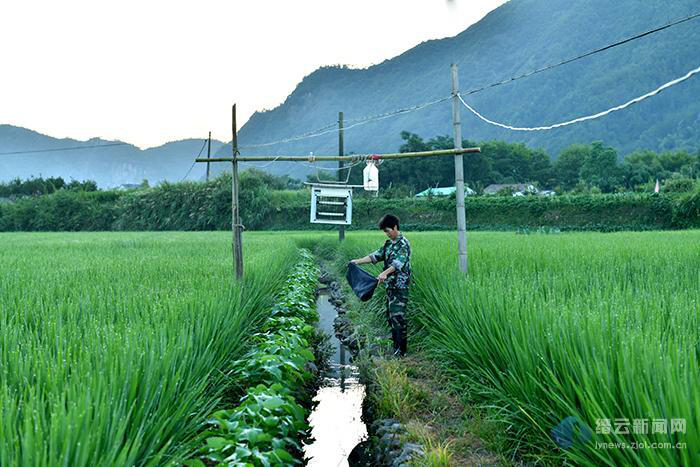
{"x":112,"y":346}
{"x":544,"y":327}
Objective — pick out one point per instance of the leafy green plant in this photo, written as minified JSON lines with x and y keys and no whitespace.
{"x":262,"y":430}
{"x":266,"y":428}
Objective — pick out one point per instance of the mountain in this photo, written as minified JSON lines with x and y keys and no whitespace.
{"x":109,"y":166}
{"x":517,"y":37}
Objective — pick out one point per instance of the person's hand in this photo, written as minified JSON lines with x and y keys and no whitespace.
{"x":382,"y":277}
{"x":354,"y":261}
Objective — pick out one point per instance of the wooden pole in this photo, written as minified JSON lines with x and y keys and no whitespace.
{"x":395,"y":155}
{"x":459,"y":174}
{"x":235,"y":218}
{"x":341,"y":153}
{"x":208,"y":154}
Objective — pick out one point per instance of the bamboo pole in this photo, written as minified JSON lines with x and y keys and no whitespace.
{"x":235,"y":216}
{"x":459,"y":174}
{"x":396,"y":155}
{"x":208,"y":154}
{"x":341,"y":152}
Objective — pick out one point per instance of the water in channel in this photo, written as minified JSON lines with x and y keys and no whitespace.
{"x":335,"y":423}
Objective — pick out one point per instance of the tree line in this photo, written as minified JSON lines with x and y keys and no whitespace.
{"x":580,"y":168}
{"x":42,"y":186}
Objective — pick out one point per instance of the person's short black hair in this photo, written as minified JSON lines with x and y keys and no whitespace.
{"x":388,"y":221}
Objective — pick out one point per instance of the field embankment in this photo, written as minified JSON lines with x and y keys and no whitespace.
{"x":207,"y":206}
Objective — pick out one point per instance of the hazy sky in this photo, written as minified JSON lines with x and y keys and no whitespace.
{"x":152,"y":71}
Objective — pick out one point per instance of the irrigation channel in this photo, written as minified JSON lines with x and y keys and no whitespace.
{"x":336,"y":421}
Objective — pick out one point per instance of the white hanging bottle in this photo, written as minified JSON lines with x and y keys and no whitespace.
{"x":370,"y":175}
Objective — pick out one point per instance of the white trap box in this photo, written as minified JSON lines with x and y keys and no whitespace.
{"x":331,"y":205}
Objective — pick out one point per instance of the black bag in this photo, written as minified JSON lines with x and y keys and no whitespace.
{"x":362,"y":282}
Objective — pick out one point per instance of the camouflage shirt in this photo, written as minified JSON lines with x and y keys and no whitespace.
{"x":395,"y":253}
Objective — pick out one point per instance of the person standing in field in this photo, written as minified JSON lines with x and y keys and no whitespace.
{"x":396,"y":254}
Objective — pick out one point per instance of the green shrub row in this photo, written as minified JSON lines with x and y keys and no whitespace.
{"x":207,"y":206}
{"x":62,"y":211}
{"x":574,"y":212}
{"x":270,"y":422}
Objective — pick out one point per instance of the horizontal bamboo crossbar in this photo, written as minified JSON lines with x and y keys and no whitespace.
{"x":396,"y":155}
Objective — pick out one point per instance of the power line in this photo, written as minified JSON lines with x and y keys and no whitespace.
{"x":310,"y":134}
{"x":331,"y":128}
{"x":64,"y":149}
{"x":363,"y":120}
{"x":252,"y":164}
{"x":579,"y":57}
{"x":395,"y":112}
{"x":587,"y":117}
{"x":195,"y":161}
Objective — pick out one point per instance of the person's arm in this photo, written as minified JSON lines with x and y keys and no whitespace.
{"x":386,"y":273}
{"x":370,"y":258}
{"x":363,"y":260}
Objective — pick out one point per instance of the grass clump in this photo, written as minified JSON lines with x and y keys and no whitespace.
{"x":394,"y":395}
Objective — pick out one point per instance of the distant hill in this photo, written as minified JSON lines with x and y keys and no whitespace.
{"x":520,"y":36}
{"x":109,"y":166}
{"x":517,"y":37}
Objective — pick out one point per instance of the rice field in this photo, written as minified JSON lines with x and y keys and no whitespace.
{"x":598,"y":330}
{"x":112,"y":345}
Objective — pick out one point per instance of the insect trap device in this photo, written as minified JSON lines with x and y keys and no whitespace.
{"x":331,"y":204}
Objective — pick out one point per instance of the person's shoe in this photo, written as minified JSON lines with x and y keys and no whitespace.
{"x":396,"y":340}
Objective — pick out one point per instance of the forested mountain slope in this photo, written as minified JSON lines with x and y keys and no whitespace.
{"x":520,"y":36}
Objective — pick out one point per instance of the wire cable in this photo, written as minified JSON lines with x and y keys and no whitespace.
{"x":332,"y":128}
{"x":395,"y":112}
{"x":587,"y":117}
{"x":73,"y":148}
{"x":310,"y":134}
{"x":194,"y":162}
{"x":579,"y":57}
{"x":362,"y":120}
{"x":252,"y":164}
{"x":360,"y":160}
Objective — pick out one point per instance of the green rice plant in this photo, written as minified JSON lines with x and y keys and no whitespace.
{"x":568,"y":331}
{"x":113,"y":347}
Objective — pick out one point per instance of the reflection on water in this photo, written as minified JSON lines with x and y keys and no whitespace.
{"x":335,"y":423}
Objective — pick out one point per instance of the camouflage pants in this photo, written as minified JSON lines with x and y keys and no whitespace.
{"x":396,"y":300}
